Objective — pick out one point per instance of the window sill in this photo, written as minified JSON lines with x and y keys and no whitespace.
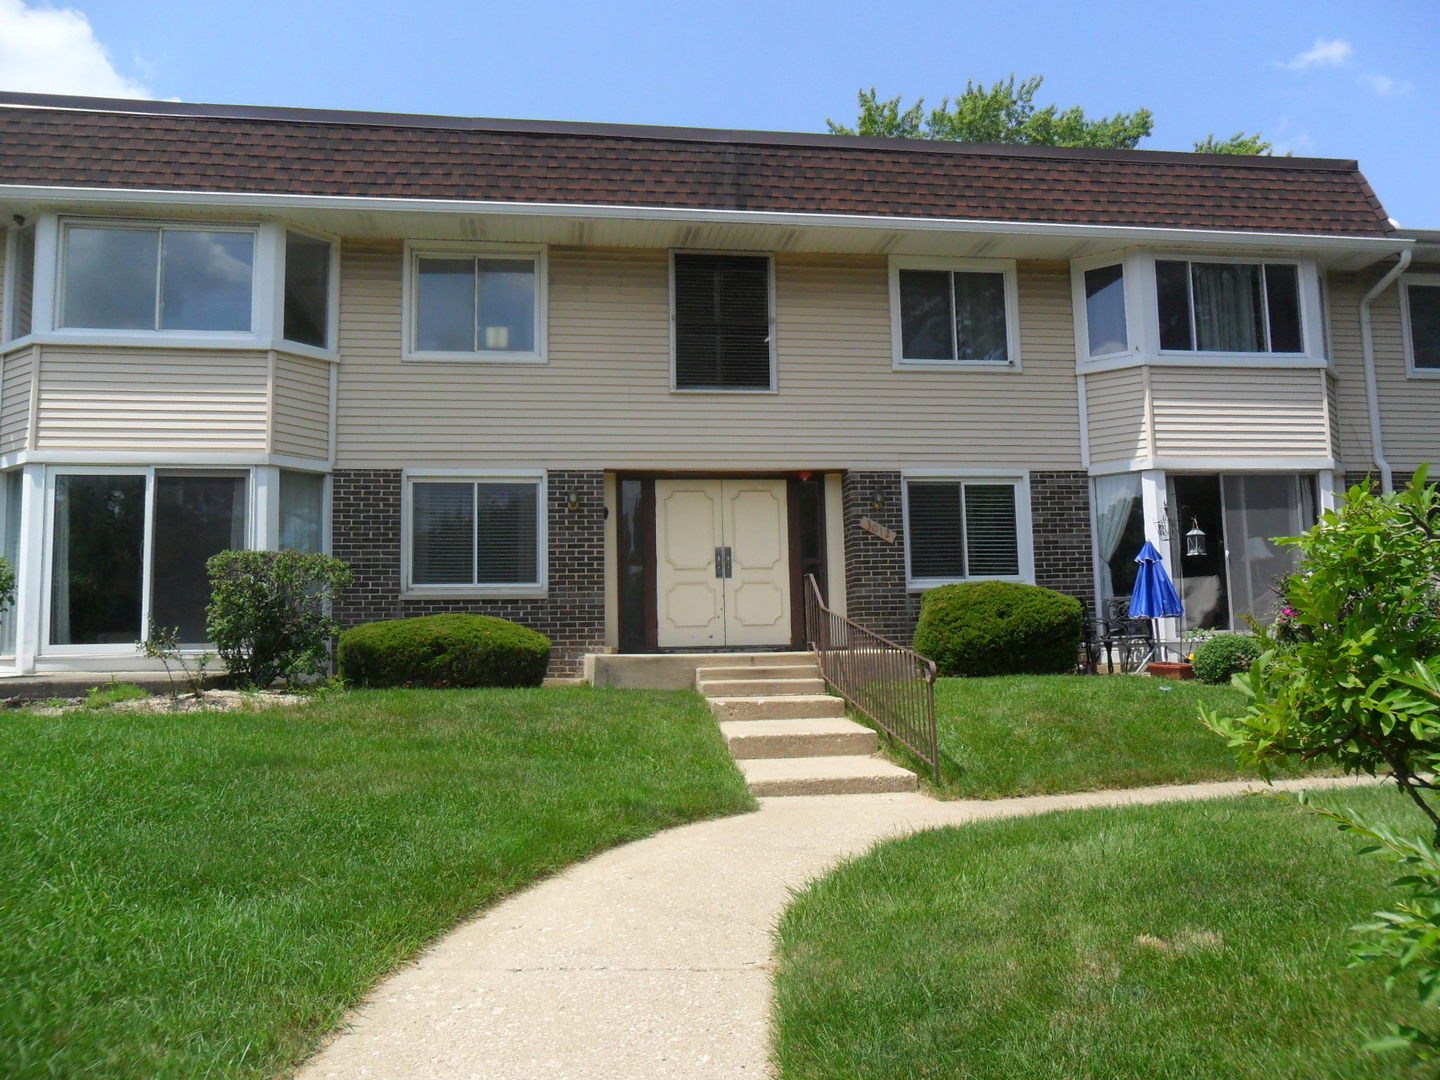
{"x":473,"y":358}
{"x":475,"y":592}
{"x":925,"y":584}
{"x":309,"y":352}
{"x":148,"y":340}
{"x":956,"y":365}
{"x":724,"y":390}
{"x":1422,"y":373}
{"x":1204,"y":360}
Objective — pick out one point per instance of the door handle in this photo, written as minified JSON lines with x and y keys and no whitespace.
{"x":720,"y":562}
{"x":729,"y":562}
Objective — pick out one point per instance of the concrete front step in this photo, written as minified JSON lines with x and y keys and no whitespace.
{"x":751,"y":739}
{"x":760,"y":687}
{"x":826,"y":776}
{"x":787,"y":671}
{"x":791,"y":707}
{"x":675,"y":671}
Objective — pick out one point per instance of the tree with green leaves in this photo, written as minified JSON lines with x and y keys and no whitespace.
{"x":1006,"y":113}
{"x":1350,"y":675}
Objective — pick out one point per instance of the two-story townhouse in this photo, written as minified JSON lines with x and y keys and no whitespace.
{"x":628,"y":385}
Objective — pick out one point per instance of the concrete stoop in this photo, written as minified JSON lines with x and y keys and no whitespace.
{"x":788,"y":735}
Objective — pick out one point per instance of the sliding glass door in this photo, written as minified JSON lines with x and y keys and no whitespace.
{"x":126,"y":545}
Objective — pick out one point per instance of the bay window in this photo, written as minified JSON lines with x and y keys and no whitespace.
{"x":1228,"y":306}
{"x":130,"y":546}
{"x":134,"y":277}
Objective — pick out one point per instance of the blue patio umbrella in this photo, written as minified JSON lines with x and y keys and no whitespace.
{"x":1154,"y":595}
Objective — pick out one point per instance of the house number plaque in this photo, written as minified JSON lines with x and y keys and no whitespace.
{"x":874,"y":528}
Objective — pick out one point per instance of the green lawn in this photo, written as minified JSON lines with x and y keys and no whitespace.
{"x":1181,"y":942}
{"x":203,"y":895}
{"x":1044,"y":734}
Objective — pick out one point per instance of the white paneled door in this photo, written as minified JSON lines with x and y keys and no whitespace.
{"x":723,"y":560}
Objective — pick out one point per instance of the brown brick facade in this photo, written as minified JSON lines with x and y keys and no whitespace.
{"x":366,"y":531}
{"x":876,"y":596}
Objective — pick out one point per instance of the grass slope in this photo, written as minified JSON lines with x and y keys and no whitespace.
{"x":203,"y":895}
{"x":1045,"y":734}
{"x":1181,"y":942}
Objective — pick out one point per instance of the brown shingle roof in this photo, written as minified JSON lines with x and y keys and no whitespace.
{"x":97,"y":143}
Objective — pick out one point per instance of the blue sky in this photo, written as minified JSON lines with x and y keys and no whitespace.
{"x":1321,"y":78}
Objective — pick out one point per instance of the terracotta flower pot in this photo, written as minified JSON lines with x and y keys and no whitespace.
{"x":1167,"y":670}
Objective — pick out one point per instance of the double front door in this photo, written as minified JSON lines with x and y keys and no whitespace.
{"x":723,"y":563}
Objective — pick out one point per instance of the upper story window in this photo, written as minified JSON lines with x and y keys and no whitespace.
{"x":959,"y":529}
{"x":120,"y":283}
{"x":723,"y":322}
{"x":476,"y":303}
{"x":1228,"y":307}
{"x":306,"y":301}
{"x":134,"y":277}
{"x":953,"y":313}
{"x":1105,"y":327}
{"x":1420,"y":301}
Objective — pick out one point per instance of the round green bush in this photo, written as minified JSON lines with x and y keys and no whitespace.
{"x":1223,"y":655}
{"x":441,"y":651}
{"x":1000,"y":628}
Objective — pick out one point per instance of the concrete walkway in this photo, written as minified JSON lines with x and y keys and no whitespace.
{"x":651,"y":960}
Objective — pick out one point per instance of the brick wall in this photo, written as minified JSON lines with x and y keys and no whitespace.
{"x":1060,"y":515}
{"x":366,"y":531}
{"x":876,"y":596}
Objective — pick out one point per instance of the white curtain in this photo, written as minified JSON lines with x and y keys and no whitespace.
{"x":1115,"y":497}
{"x":1227,"y":307}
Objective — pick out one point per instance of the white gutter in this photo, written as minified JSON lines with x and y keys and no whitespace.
{"x":1372,"y":390}
{"x":261,"y":201}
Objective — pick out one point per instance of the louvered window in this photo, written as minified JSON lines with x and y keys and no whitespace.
{"x":959,"y":529}
{"x":475,"y":533}
{"x":723,"y":326}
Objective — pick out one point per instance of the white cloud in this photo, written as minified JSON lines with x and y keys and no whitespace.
{"x":1384,"y":86}
{"x":1323,"y":53}
{"x":47,"y":50}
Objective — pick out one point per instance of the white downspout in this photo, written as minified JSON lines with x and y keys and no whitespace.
{"x":1372,"y":392}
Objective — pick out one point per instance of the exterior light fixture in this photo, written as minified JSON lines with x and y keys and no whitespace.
{"x":574,"y":503}
{"x":1195,"y":539}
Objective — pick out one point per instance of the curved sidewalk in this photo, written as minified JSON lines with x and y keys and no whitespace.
{"x":650,"y":960}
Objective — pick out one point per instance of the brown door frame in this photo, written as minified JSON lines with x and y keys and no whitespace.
{"x":645,"y":523}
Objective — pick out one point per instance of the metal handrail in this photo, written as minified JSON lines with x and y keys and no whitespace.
{"x":892,"y":686}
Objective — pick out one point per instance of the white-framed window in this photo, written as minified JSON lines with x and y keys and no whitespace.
{"x":722,"y":322}
{"x":156,"y":278}
{"x":1228,"y":306}
{"x":474,"y":534}
{"x":1420,"y":313}
{"x":966,"y":528}
{"x":125,"y":546}
{"x":309,"y":289}
{"x":1107,"y":331}
{"x":954,"y":313}
{"x":470,"y":302}
{"x":20,"y":283}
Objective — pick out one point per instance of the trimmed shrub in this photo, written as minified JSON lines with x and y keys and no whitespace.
{"x":269,"y":613}
{"x":1223,"y":655}
{"x":440,"y":651}
{"x":1000,"y":628}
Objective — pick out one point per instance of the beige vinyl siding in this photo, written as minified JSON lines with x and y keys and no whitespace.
{"x":604,"y":399}
{"x":301,"y":407}
{"x":152,"y":400}
{"x":1239,"y":412}
{"x":1409,"y":407}
{"x":1119,"y":421}
{"x":18,"y":368}
{"x":1352,"y":420}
